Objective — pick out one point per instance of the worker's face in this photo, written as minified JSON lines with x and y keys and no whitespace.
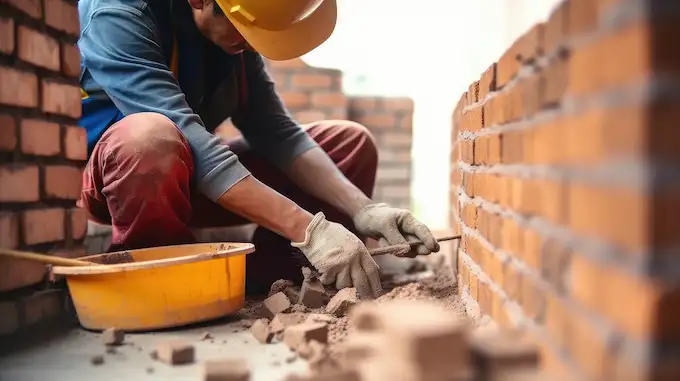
{"x":216,"y":27}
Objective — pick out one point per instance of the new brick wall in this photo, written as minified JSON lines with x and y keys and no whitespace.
{"x":42,"y":152}
{"x":312,"y":94}
{"x":565,"y":185}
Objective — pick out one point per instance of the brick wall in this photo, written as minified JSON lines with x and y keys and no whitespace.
{"x":565,"y":186}
{"x":42,"y":151}
{"x":313,"y":94}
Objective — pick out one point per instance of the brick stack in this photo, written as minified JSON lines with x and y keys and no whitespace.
{"x":42,"y":152}
{"x":312,"y":94}
{"x":565,"y":187}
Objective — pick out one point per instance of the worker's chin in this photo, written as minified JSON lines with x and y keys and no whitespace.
{"x":234,"y":49}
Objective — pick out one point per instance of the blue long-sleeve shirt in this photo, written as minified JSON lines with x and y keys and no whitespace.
{"x":148,"y":56}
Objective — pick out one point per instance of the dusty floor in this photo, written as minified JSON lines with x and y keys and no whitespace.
{"x":68,"y":357}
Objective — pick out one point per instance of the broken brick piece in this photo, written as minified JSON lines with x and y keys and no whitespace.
{"x":113,"y":336}
{"x":97,"y":360}
{"x":279,"y":286}
{"x":298,"y":334}
{"x":340,"y":304}
{"x":320,"y":318}
{"x":274,"y":304}
{"x":503,"y":352}
{"x":261,"y":331}
{"x":335,"y":375}
{"x":284,"y":320}
{"x":175,"y":352}
{"x":312,"y":293}
{"x":246,"y":323}
{"x":226,"y":370}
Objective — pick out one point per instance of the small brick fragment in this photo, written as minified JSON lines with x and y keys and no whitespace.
{"x":340,"y":304}
{"x":247,"y":323}
{"x":312,"y":293}
{"x":113,"y":336}
{"x":275,"y":304}
{"x":298,"y":334}
{"x":97,"y":360}
{"x":226,"y":370}
{"x":320,"y":318}
{"x":175,"y":352}
{"x":279,"y":286}
{"x":284,"y":320}
{"x":261,"y":331}
{"x":503,"y":352}
{"x":206,"y":336}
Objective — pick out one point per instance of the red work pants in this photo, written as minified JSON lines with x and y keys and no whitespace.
{"x":139,"y":180}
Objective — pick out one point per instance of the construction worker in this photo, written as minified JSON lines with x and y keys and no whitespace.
{"x":158,"y":76}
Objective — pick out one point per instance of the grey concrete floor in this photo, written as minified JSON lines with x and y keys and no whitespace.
{"x":67,"y":357}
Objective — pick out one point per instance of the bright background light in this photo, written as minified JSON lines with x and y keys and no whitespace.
{"x":429,"y":50}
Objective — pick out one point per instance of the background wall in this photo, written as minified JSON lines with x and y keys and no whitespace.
{"x":565,"y":188}
{"x":42,"y":152}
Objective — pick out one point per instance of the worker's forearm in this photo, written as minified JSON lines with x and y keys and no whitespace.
{"x":316,"y":174}
{"x":259,"y":203}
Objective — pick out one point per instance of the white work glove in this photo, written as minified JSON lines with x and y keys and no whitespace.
{"x":393,"y":226}
{"x":340,"y":257}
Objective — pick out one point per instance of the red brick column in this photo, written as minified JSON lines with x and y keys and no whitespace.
{"x":42,"y":152}
{"x":390,"y":120}
{"x":565,"y":186}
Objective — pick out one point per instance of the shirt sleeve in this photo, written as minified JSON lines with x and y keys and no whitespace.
{"x":120,"y":50}
{"x":264,"y":122}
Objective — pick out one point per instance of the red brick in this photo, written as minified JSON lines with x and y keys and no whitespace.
{"x":16,"y":273}
{"x":59,"y":98}
{"x":555,"y":31}
{"x":627,"y":56}
{"x":176,"y":352}
{"x":43,"y":225}
{"x":70,"y":60}
{"x":555,"y":263}
{"x":38,"y":48}
{"x":397,"y":104}
{"x":474,"y":286}
{"x":530,"y":45}
{"x":19,"y":183}
{"x":8,"y":133}
{"x":494,"y":268}
{"x":40,"y":138}
{"x":582,"y":16}
{"x":512,"y":147}
{"x":553,"y":82}
{"x":481,"y":150}
{"x":63,"y":16}
{"x":43,"y":306}
{"x":533,"y":299}
{"x":530,"y":96}
{"x":485,"y":298}
{"x":9,"y":230}
{"x":613,"y":292}
{"x":363,"y":103}
{"x":494,"y":146}
{"x":32,"y":8}
{"x":473,"y":92}
{"x":472,"y":119}
{"x":508,"y":66}
{"x":12,"y":80}
{"x":467,"y":149}
{"x":294,"y":100}
{"x":6,"y":35}
{"x":545,"y":143}
{"x":396,"y":140}
{"x":78,"y":221}
{"x":75,"y":143}
{"x":470,"y":215}
{"x":597,"y":211}
{"x":469,"y":183}
{"x":495,"y":110}
{"x":512,"y":281}
{"x":296,"y":63}
{"x":309,"y":116}
{"x":531,"y":245}
{"x":62,"y":182}
{"x":311,"y":81}
{"x":487,"y":82}
{"x":377,"y":121}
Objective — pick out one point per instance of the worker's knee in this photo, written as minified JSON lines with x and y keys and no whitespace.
{"x":149,"y":141}
{"x":363,"y":143}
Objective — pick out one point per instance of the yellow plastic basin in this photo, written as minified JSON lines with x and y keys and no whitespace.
{"x":160,"y":287}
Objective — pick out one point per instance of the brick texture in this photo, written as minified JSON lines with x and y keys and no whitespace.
{"x":561,"y":235}
{"x":313,"y":94}
{"x":42,"y":154}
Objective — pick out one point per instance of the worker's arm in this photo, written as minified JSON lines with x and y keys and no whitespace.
{"x":119,"y":48}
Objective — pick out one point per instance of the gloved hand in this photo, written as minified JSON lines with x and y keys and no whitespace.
{"x":393,"y":226}
{"x":340,"y":257}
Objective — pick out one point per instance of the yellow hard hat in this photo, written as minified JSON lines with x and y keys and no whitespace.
{"x":282,"y":29}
